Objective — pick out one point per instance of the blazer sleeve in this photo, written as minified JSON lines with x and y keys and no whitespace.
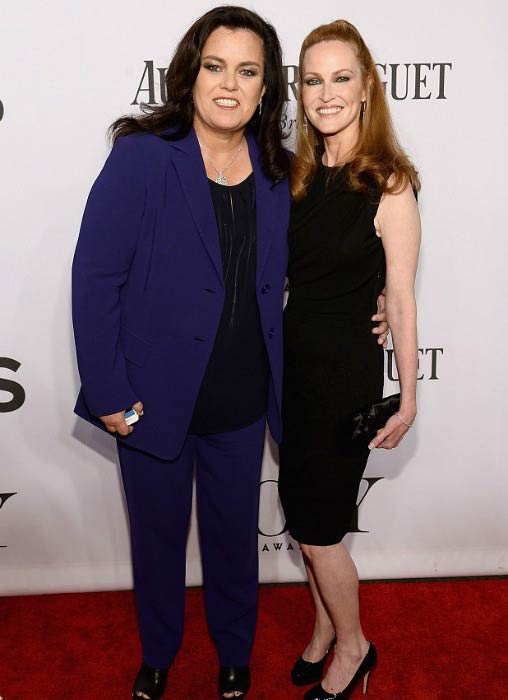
{"x":104,"y":252}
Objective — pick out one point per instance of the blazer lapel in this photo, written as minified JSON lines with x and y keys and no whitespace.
{"x":192,"y":175}
{"x":267,"y":200}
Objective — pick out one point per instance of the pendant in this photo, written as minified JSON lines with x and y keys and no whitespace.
{"x":221,"y":179}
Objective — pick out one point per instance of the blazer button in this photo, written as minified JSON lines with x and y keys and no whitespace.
{"x":271,"y":332}
{"x":266,"y":288}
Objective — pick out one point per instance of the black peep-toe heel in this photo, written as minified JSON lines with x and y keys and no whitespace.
{"x":234,"y":679}
{"x":150,"y":681}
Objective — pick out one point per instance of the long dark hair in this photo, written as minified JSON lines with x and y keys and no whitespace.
{"x":178,"y":110}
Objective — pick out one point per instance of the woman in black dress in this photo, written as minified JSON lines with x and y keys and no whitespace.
{"x":354,"y":227}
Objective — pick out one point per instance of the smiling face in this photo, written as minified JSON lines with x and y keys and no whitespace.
{"x":229,"y":84}
{"x":333,"y":89}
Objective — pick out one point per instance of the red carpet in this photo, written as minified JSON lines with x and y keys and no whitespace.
{"x":436,"y":640}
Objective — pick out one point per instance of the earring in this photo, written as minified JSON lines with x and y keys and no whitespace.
{"x":363,"y":109}
{"x":260,"y":106}
{"x":305,"y":125}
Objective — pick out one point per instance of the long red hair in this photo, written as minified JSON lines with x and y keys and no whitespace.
{"x":377,"y":156}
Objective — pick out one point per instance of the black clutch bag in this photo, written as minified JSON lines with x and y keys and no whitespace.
{"x":366,"y":422}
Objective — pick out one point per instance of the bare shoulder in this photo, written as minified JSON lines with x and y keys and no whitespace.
{"x":397,"y":211}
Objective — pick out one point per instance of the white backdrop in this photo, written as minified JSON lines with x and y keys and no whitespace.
{"x":438,"y":504}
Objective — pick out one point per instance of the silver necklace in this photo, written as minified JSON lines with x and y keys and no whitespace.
{"x":221,"y":179}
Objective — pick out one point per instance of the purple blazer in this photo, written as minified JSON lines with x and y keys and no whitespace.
{"x":147,"y":287}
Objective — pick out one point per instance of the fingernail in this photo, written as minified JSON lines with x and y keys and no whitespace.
{"x":371,"y":445}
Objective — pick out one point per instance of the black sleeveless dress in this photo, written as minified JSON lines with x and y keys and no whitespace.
{"x":332,"y":361}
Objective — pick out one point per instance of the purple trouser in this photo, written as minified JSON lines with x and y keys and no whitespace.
{"x":159,"y":499}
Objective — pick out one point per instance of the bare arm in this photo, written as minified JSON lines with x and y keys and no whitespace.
{"x":398,"y":223}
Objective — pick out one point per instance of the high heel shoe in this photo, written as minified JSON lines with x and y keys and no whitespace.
{"x":363,"y":670}
{"x":234,"y":679}
{"x":307,"y":672}
{"x":150,"y":681}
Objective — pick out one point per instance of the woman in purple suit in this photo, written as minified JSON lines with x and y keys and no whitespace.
{"x":178,"y":280}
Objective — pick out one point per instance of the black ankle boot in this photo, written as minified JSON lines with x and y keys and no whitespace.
{"x":234,"y":678}
{"x":307,"y":672}
{"x":150,"y":681}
